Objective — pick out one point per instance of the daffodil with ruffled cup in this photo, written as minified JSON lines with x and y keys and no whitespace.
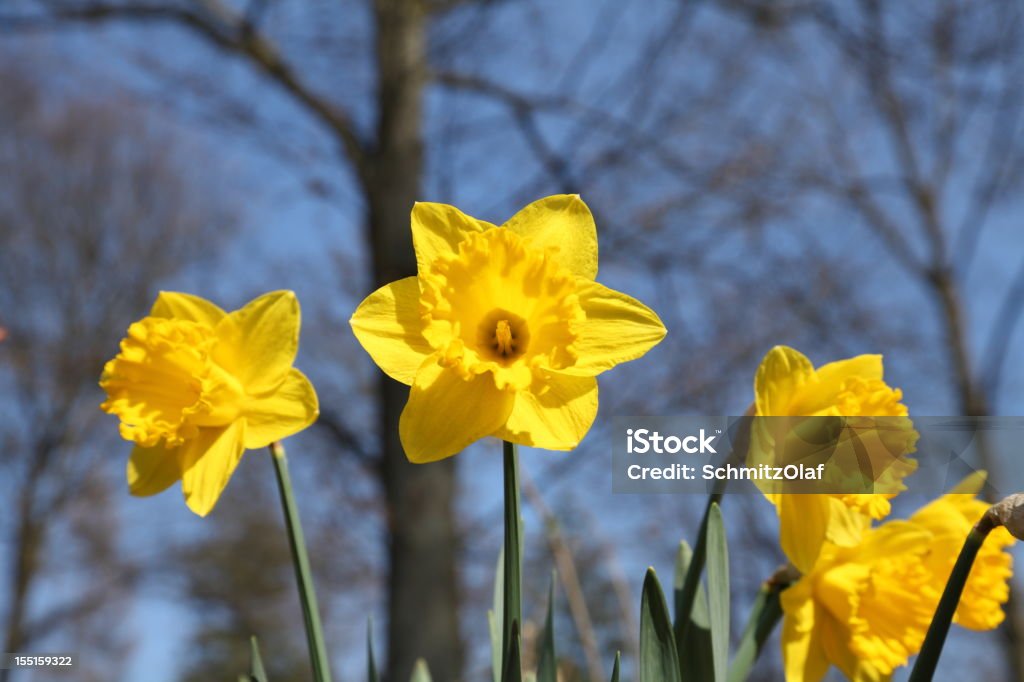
{"x":875,"y":429}
{"x":194,"y":387}
{"x":503,"y":330}
{"x":865,"y":609}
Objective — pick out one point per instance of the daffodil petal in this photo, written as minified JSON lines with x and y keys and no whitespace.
{"x":864,"y":366}
{"x":555,"y":414}
{"x":153,"y":470}
{"x":181,"y":306}
{"x":258,"y":343}
{"x":803,"y":525}
{"x":845,"y":525}
{"x":781,"y":373}
{"x":895,"y":538}
{"x":563,"y":225}
{"x":209,"y":460}
{"x":437,"y":229}
{"x":971,"y":484}
{"x":803,"y":657}
{"x":618,"y":328}
{"x":828,"y":380}
{"x":445,"y":412}
{"x":285,"y":412}
{"x":388,"y":326}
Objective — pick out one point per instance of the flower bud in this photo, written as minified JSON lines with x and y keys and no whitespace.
{"x":1009,"y":514}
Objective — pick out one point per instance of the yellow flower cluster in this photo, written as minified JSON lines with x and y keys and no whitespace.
{"x":867,"y":593}
{"x":502,"y":333}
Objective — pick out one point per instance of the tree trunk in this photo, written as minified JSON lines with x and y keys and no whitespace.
{"x":423,"y":614}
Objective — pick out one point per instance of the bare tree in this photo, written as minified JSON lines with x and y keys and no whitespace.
{"x":93,"y":213}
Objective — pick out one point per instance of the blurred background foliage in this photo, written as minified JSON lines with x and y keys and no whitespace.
{"x":843,"y":177}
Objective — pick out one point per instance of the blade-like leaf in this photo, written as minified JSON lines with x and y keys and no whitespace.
{"x":659,"y":661}
{"x":513,"y":662}
{"x":693,"y":642}
{"x":764,"y":616}
{"x":512,"y":618}
{"x":371,"y":665}
{"x":420,"y":672}
{"x":718,"y":592}
{"x":615,"y":668}
{"x":547,"y":662}
{"x":256,"y":671}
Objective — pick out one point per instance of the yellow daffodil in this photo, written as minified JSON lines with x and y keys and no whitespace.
{"x":865,"y":609}
{"x":503,"y":329}
{"x":874,"y":437}
{"x":949,"y":519}
{"x":194,"y":387}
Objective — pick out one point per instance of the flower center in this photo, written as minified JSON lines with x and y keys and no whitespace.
{"x":497,"y":305}
{"x":503,"y":337}
{"x":164,"y":383}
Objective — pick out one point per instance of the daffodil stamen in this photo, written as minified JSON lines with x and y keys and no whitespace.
{"x":504,"y":343}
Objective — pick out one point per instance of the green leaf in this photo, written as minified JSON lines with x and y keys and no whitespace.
{"x":512,"y":617}
{"x":659,"y":661}
{"x":371,"y":665}
{"x":513,"y":662}
{"x":547,"y":662}
{"x":686,"y":594}
{"x":764,"y":616}
{"x":420,"y":672}
{"x":256,"y":670}
{"x":718,"y":592}
{"x":693,"y":638}
{"x":615,"y":668}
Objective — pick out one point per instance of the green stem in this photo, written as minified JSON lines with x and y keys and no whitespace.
{"x":764,"y":616}
{"x":303,"y":574}
{"x":512,"y":590}
{"x":928,"y":659}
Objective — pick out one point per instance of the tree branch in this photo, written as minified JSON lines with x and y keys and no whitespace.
{"x":1006,"y":319}
{"x":218,"y":26}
